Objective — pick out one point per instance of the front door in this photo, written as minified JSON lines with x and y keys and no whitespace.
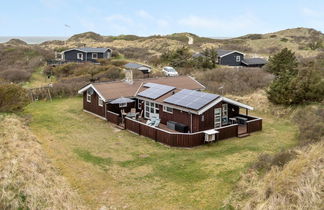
{"x":217,"y":117}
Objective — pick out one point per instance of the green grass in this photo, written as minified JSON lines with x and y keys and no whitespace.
{"x":88,"y":157}
{"x":118,"y":168}
{"x":38,"y":79}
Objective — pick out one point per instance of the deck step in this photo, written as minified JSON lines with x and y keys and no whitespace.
{"x":242,"y":135}
{"x":121,"y":127}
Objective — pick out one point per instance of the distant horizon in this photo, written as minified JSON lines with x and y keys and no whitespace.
{"x":39,"y":39}
{"x":206,"y":18}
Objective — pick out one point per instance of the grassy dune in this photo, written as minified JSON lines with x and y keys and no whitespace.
{"x":28,"y":179}
{"x":119,"y":169}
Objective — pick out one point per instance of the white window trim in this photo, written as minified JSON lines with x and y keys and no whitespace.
{"x":165,"y":109}
{"x":151,"y":105}
{"x":92,"y":56}
{"x":238,"y":58}
{"x":80,"y":56}
{"x":88,"y":97}
{"x":123,"y":105}
{"x":100,"y":102}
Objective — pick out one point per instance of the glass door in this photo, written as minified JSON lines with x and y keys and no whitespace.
{"x":217,"y":117}
{"x":151,"y":109}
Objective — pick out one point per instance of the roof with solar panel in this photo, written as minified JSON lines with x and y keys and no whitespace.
{"x":155,"y":91}
{"x":191,"y":99}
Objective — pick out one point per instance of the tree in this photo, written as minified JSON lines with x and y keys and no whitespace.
{"x":12,"y":98}
{"x":293,"y":84}
{"x":283,"y":62}
{"x":180,"y":57}
{"x":209,"y":58}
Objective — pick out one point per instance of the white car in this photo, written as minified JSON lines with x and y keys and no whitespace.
{"x":170,"y":71}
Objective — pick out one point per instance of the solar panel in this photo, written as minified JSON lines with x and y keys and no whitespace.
{"x":155,"y":91}
{"x":191,"y":99}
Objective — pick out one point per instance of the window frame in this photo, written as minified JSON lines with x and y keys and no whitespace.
{"x":165,"y":109}
{"x":80,"y":57}
{"x":151,"y":108}
{"x":92,"y":55}
{"x":123,"y":105}
{"x":100,"y":102}
{"x":88,"y":97}
{"x":238,"y":58}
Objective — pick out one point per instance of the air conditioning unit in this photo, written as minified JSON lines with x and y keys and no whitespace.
{"x":210,"y":135}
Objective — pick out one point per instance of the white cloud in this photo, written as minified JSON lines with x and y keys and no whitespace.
{"x":246,"y":23}
{"x":144,"y":14}
{"x":310,"y":12}
{"x":118,"y":19}
{"x":148,"y":17}
{"x":162,"y":23}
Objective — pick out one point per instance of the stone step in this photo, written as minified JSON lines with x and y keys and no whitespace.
{"x":242,"y":135}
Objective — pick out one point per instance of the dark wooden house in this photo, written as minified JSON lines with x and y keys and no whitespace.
{"x":170,"y":110}
{"x":254,"y":62}
{"x":235,"y":58}
{"x":85,"y":54}
{"x":229,"y":57}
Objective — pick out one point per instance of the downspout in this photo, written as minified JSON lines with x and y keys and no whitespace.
{"x":191,"y":122}
{"x":106,"y":111}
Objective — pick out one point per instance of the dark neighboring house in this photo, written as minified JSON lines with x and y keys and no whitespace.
{"x":229,"y":57}
{"x":140,"y":67}
{"x":235,"y":58}
{"x":170,"y":110}
{"x":254,"y":62}
{"x":85,"y":54}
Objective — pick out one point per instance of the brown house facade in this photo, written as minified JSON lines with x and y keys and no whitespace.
{"x":170,"y":110}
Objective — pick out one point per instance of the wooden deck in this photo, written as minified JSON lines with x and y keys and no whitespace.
{"x":242,"y":129}
{"x":161,"y":126}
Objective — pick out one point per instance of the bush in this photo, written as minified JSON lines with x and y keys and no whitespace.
{"x":254,"y":36}
{"x":310,"y":121}
{"x":284,"y":39}
{"x":135,"y":53}
{"x":15,"y":75}
{"x":12,"y":98}
{"x":234,"y":81}
{"x":266,"y":161}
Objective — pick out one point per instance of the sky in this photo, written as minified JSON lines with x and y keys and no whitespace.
{"x":209,"y":18}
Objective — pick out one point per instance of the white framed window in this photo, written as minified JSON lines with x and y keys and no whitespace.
{"x":217,"y":117}
{"x":80,"y":56}
{"x":168,"y":109}
{"x":123,"y":105}
{"x":151,"y":108}
{"x":202,"y":118}
{"x":88,"y":97}
{"x":238,"y":58}
{"x":100,"y":102}
{"x":94,"y":55}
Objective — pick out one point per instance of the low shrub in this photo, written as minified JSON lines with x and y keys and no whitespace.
{"x":15,"y":75}
{"x":12,"y":98}
{"x":284,"y":39}
{"x":234,"y":81}
{"x":266,"y":161}
{"x":310,"y":121}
